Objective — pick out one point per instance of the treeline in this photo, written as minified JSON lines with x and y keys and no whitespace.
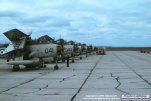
{"x":127,"y":48}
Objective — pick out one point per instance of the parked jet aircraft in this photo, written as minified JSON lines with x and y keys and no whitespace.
{"x":24,"y":51}
{"x":78,"y":50}
{"x":67,"y":49}
{"x":64,"y":48}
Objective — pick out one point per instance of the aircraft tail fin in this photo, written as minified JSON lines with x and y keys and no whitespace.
{"x":14,"y":34}
{"x":17,"y":38}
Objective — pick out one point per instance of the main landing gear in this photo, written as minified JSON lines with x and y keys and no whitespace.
{"x":56,"y":67}
{"x":16,"y":68}
{"x":72,"y":60}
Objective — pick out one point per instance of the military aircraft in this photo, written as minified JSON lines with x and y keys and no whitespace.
{"x":67,"y":49}
{"x":78,"y":50}
{"x":64,"y":49}
{"x":84,"y":49}
{"x":24,"y":51}
{"x":90,"y":49}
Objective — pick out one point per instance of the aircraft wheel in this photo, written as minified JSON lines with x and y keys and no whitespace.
{"x":80,"y":58}
{"x":45,"y":66}
{"x":56,"y":67}
{"x":41,"y":65}
{"x":16,"y":68}
{"x":72,"y":60}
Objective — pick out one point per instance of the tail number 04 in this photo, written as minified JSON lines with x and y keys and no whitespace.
{"x":48,"y":50}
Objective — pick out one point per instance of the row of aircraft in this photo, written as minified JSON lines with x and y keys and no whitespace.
{"x":23,"y":50}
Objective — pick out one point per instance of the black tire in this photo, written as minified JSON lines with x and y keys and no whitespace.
{"x":56,"y":67}
{"x":72,"y":60}
{"x":41,"y":64}
{"x":45,"y":66}
{"x":16,"y":68}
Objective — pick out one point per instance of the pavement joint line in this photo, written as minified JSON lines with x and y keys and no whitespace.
{"x":117,"y":79}
{"x":126,"y":64}
{"x":24,"y":83}
{"x":42,"y":74}
{"x":16,"y":95}
{"x":72,"y":99}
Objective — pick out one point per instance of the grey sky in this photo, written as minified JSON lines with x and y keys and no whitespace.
{"x":100,"y":22}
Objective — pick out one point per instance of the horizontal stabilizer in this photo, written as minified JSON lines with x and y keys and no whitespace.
{"x":7,"y":50}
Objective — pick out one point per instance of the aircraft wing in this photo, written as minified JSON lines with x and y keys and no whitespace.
{"x":22,"y":62}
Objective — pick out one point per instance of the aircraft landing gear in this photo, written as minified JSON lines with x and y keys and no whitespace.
{"x":72,"y":60}
{"x":41,"y":64}
{"x":80,"y":58}
{"x":16,"y":68}
{"x":86,"y":54}
{"x":56,"y":67}
{"x":44,"y":66}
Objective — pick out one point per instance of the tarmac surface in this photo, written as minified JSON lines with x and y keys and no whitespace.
{"x":95,"y":78}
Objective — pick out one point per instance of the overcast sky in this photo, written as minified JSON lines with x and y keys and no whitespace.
{"x":97,"y":22}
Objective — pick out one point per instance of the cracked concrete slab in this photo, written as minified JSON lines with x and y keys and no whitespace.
{"x":32,"y":97}
{"x":53,"y":83}
{"x":64,"y":76}
{"x":100,"y":83}
{"x":98,"y":92}
{"x":117,"y":73}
